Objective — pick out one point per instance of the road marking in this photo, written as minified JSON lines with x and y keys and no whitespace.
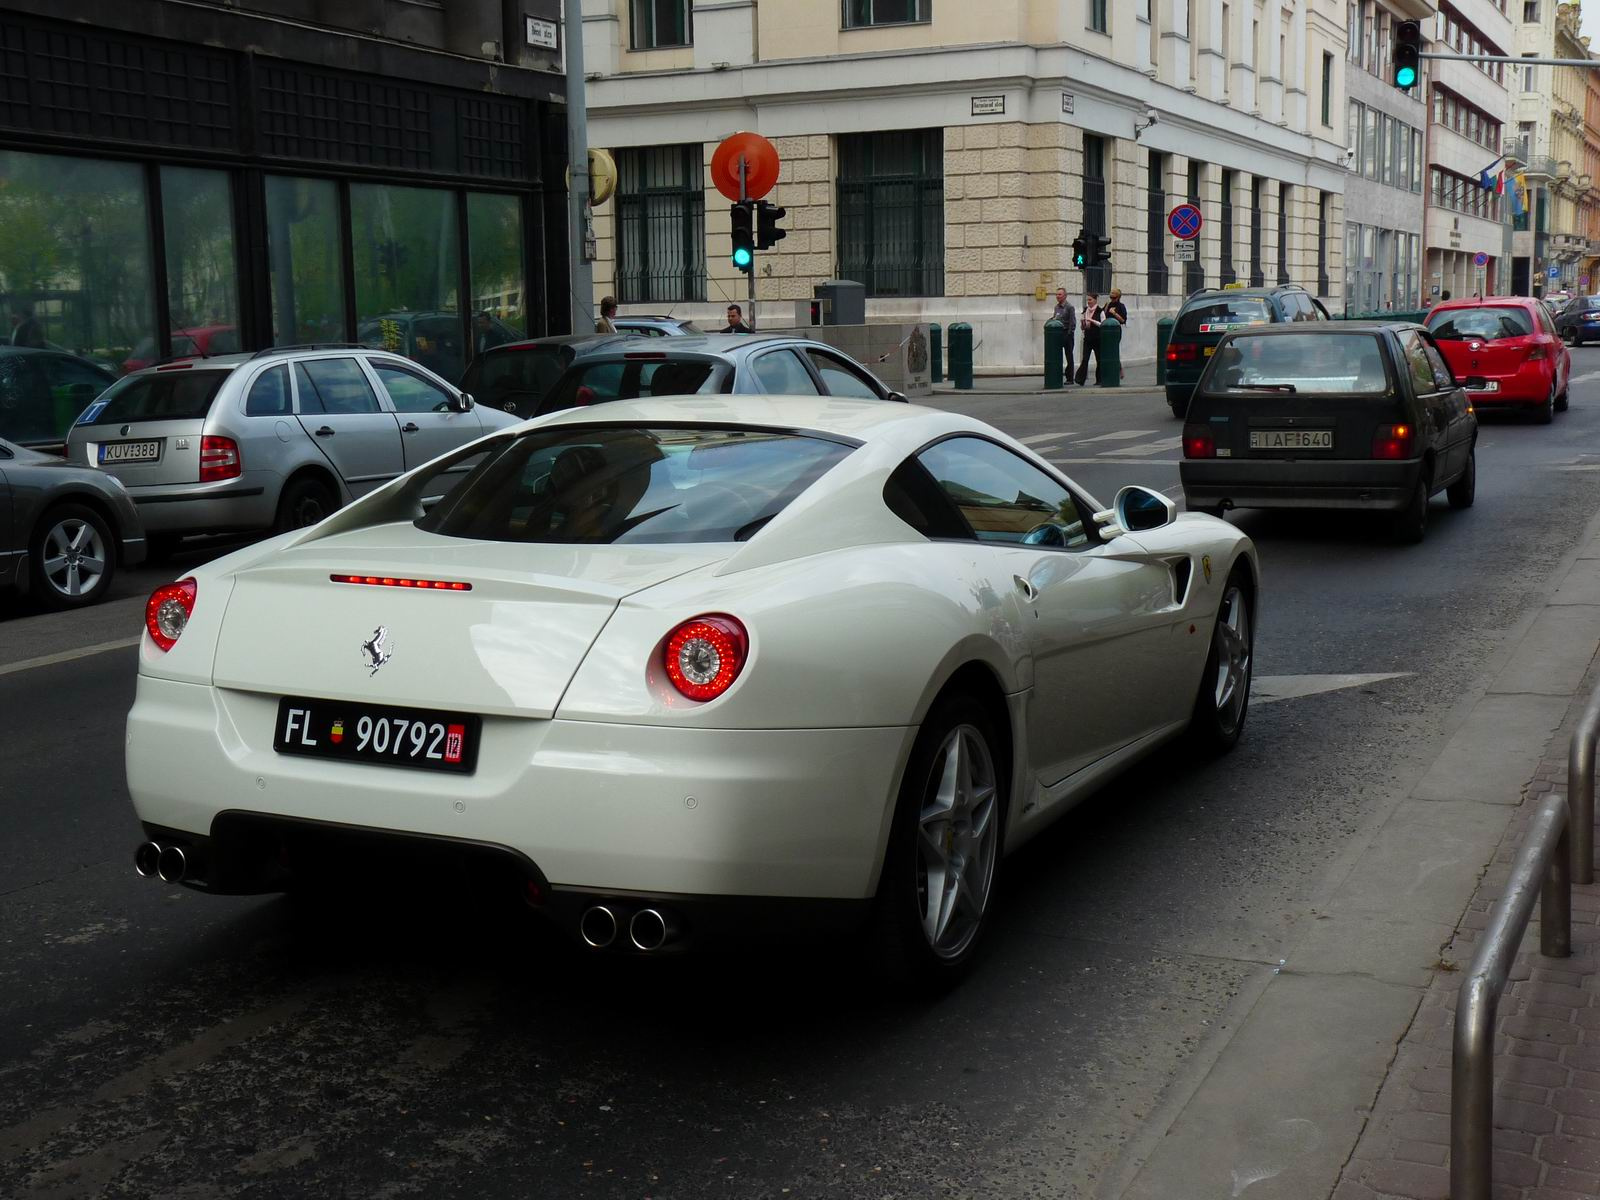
{"x":49,"y":660}
{"x":1267,"y":689}
{"x":1044,"y":437}
{"x":1103,"y":461}
{"x":1121,"y":435}
{"x":1159,"y":447}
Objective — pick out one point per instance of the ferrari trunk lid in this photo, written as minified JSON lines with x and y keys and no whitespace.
{"x":504,"y":635}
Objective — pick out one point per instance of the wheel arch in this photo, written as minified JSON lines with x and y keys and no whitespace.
{"x":319,"y":472}
{"x":88,"y":499}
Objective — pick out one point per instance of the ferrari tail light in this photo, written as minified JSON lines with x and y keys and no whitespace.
{"x":1182,"y":351}
{"x":1394,"y":441}
{"x":219,"y":459}
{"x":167,"y":612}
{"x":704,"y":655}
{"x":1199,"y":443}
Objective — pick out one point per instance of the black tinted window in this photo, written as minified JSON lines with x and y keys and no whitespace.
{"x":1005,"y":498}
{"x":515,"y":380}
{"x":160,"y":396}
{"x":1488,"y":324}
{"x":1302,"y":362}
{"x":336,"y":385}
{"x":629,"y":484}
{"x":631,"y":379}
{"x":269,"y":394}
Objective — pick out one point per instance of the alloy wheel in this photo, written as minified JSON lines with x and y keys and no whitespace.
{"x":74,"y":557}
{"x":1232,"y":684}
{"x":957,"y":840}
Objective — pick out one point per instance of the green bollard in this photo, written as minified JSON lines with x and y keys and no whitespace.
{"x":1108,"y":363}
{"x":961,"y":355}
{"x":936,"y":352}
{"x":1052,"y":354}
{"x":1163,"y":336}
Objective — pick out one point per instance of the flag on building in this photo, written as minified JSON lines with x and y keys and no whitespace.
{"x":1519,"y":183}
{"x":1484,"y":180}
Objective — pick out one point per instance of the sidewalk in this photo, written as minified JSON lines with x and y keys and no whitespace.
{"x":1332,"y":1077}
{"x":1136,"y":377}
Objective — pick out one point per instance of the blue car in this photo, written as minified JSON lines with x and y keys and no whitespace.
{"x":1579,"y":320}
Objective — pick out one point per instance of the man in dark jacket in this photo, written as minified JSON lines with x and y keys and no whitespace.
{"x":1068,"y":316}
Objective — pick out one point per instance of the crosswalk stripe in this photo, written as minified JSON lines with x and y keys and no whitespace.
{"x":1160,"y":447}
{"x":1044,"y":437}
{"x":1121,"y":435}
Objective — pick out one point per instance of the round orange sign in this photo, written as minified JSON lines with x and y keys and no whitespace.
{"x":760,"y":166}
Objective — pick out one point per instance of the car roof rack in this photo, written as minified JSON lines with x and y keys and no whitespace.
{"x":313,"y":346}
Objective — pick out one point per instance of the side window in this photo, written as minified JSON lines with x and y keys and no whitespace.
{"x":1320,"y":313}
{"x":782,"y":374}
{"x":1417,"y":364}
{"x":1544,"y":318}
{"x":339,"y":385}
{"x":1005,"y":498}
{"x":412,"y":393}
{"x":916,"y":499}
{"x":1442,"y":375}
{"x":840,"y":378}
{"x":269,"y":394}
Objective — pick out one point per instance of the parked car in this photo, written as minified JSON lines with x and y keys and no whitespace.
{"x":516,"y":377}
{"x":1209,"y":314}
{"x":876,"y":647}
{"x":43,"y":391}
{"x":656,"y":326}
{"x":275,"y":440}
{"x":64,"y":530}
{"x":205,"y":341}
{"x":1354,"y":415}
{"x":1579,"y":320}
{"x":437,"y":340}
{"x":729,"y":363}
{"x":1509,"y":346}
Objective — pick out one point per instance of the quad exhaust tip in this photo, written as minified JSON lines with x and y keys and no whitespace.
{"x":598,"y":926}
{"x":146,"y":859}
{"x":648,"y":930}
{"x":166,"y":863}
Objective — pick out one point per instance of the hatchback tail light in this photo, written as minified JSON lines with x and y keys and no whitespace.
{"x":1182,"y":351}
{"x":166,"y":613}
{"x":1198,"y":442}
{"x":219,"y":459}
{"x":1538,"y":354}
{"x":705,"y":655}
{"x":1394,"y":441}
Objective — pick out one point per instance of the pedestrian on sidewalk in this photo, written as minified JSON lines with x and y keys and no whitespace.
{"x":736,"y":321}
{"x":1068,"y":316}
{"x":1118,"y":311}
{"x":1094,"y":316}
{"x":608,"y":309}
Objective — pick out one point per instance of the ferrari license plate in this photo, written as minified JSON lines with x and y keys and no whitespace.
{"x":378,"y":734}
{"x":1291,"y":439}
{"x":130,"y":452}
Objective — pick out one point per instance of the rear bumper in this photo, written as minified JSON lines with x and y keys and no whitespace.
{"x":249,"y":502}
{"x":1522,"y":389}
{"x":1295,"y":483}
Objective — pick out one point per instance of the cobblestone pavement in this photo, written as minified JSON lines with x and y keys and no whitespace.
{"x":1547,"y":1050}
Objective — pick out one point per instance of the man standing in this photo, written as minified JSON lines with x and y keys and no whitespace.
{"x":1090,"y":322}
{"x":1068,"y":316}
{"x":25,"y":330}
{"x":608,"y":309}
{"x":736,"y":321}
{"x":485,"y":334}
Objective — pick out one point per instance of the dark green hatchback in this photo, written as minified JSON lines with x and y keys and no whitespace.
{"x":1211,"y":313}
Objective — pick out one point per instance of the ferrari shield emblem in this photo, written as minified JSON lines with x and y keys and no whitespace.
{"x":1205,"y":565}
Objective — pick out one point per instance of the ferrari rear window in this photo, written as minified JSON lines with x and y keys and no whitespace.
{"x":177,"y":395}
{"x":1488,"y":323}
{"x":629,"y":484}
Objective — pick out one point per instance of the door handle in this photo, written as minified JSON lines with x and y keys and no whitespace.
{"x":410,"y":427}
{"x":1029,"y":592}
{"x":325,"y":432}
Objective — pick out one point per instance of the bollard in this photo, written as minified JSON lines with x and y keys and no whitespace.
{"x":1108,"y":364}
{"x":936,"y":352}
{"x":961,"y":355}
{"x":1163,"y":336}
{"x":1052,"y":353}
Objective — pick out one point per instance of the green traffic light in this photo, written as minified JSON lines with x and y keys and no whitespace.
{"x":742,"y":257}
{"x":1405,"y":77}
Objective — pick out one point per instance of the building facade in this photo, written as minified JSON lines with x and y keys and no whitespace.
{"x":180,"y":178}
{"x":1468,"y":110}
{"x":1384,"y":138}
{"x":945,"y":154}
{"x":1572,"y":186}
{"x":1544,"y":140}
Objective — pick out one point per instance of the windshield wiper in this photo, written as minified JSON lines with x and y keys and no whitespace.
{"x":1262,"y":387}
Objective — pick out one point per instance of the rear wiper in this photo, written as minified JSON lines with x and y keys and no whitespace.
{"x":1262,"y":387}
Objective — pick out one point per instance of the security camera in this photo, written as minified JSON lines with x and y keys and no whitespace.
{"x":1350,"y":157}
{"x":1151,"y":116}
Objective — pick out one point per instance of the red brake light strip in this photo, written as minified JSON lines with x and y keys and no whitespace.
{"x":436,"y":585}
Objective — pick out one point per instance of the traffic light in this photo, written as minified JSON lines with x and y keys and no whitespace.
{"x":1407,"y":57}
{"x":744,"y":237}
{"x":1080,"y":251}
{"x":767,"y":232}
{"x":1101,"y":247}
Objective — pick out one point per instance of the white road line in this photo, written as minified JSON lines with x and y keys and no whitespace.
{"x":1160,"y":447}
{"x":1266,"y":689}
{"x":1121,"y":435}
{"x":49,"y":660}
{"x":1044,"y":437}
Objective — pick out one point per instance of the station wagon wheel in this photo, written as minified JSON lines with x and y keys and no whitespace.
{"x":1223,"y":701}
{"x":73,"y":557}
{"x":303,"y":503}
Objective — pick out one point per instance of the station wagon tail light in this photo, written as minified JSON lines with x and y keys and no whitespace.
{"x":167,"y":612}
{"x":1393,"y":441}
{"x":219,"y":459}
{"x":1199,"y":443}
{"x":1182,"y":351}
{"x":703,"y":656}
{"x":400,"y":581}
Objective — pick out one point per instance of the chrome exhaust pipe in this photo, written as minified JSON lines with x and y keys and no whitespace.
{"x":147,"y":859}
{"x":171,"y":865}
{"x":598,"y":926}
{"x":650,"y":929}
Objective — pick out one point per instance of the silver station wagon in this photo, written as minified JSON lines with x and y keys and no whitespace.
{"x":275,"y":440}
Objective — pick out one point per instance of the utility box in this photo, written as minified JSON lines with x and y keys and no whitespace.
{"x":845,"y":302}
{"x":813,"y":312}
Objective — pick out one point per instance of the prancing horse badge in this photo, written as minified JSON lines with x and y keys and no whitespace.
{"x":376,"y":655}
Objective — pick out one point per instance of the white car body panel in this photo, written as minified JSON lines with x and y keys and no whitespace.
{"x":591,"y":764}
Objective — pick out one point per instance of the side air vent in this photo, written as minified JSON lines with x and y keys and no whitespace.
{"x":1182,"y":570}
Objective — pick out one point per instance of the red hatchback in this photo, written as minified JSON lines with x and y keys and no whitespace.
{"x":1508,"y":350}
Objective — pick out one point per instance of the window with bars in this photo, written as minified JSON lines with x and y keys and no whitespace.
{"x":661,"y":224}
{"x":891,"y":211}
{"x":1322,"y":244}
{"x":860,"y":14}
{"x":1258,"y":197}
{"x":1194,"y":272}
{"x":1156,"y":237}
{"x":1096,"y":279}
{"x":1229,"y":275}
{"x":1285,"y":196}
{"x":658,"y":24}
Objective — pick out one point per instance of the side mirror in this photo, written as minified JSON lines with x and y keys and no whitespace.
{"x":900,"y":396}
{"x":1138,"y":509}
{"x":1474,"y":383}
{"x":464,"y":402}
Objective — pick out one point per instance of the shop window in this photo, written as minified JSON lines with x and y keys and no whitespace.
{"x":202,"y":273}
{"x":495,"y":248}
{"x":75,"y":271}
{"x":661,"y":224}
{"x":405,"y":253}
{"x":859,"y":14}
{"x":661,"y":23}
{"x":891,"y":211}
{"x":306,"y":256}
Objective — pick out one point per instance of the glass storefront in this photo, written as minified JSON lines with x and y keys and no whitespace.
{"x":407,"y":249}
{"x":499,"y":291}
{"x":307,"y":260}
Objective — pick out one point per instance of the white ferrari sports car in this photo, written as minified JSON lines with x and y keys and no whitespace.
{"x":681,"y":666}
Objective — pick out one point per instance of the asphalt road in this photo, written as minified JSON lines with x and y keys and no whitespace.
{"x":156,"y":1042}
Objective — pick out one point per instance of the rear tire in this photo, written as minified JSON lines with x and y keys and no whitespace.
{"x":71,"y":557}
{"x":1546,"y":412}
{"x":1561,"y":402}
{"x":1411,"y":522}
{"x":1464,"y":490}
{"x":1223,"y":702}
{"x":304,"y":502}
{"x":1178,"y":403}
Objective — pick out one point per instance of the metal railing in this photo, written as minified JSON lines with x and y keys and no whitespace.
{"x":1558,"y":851}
